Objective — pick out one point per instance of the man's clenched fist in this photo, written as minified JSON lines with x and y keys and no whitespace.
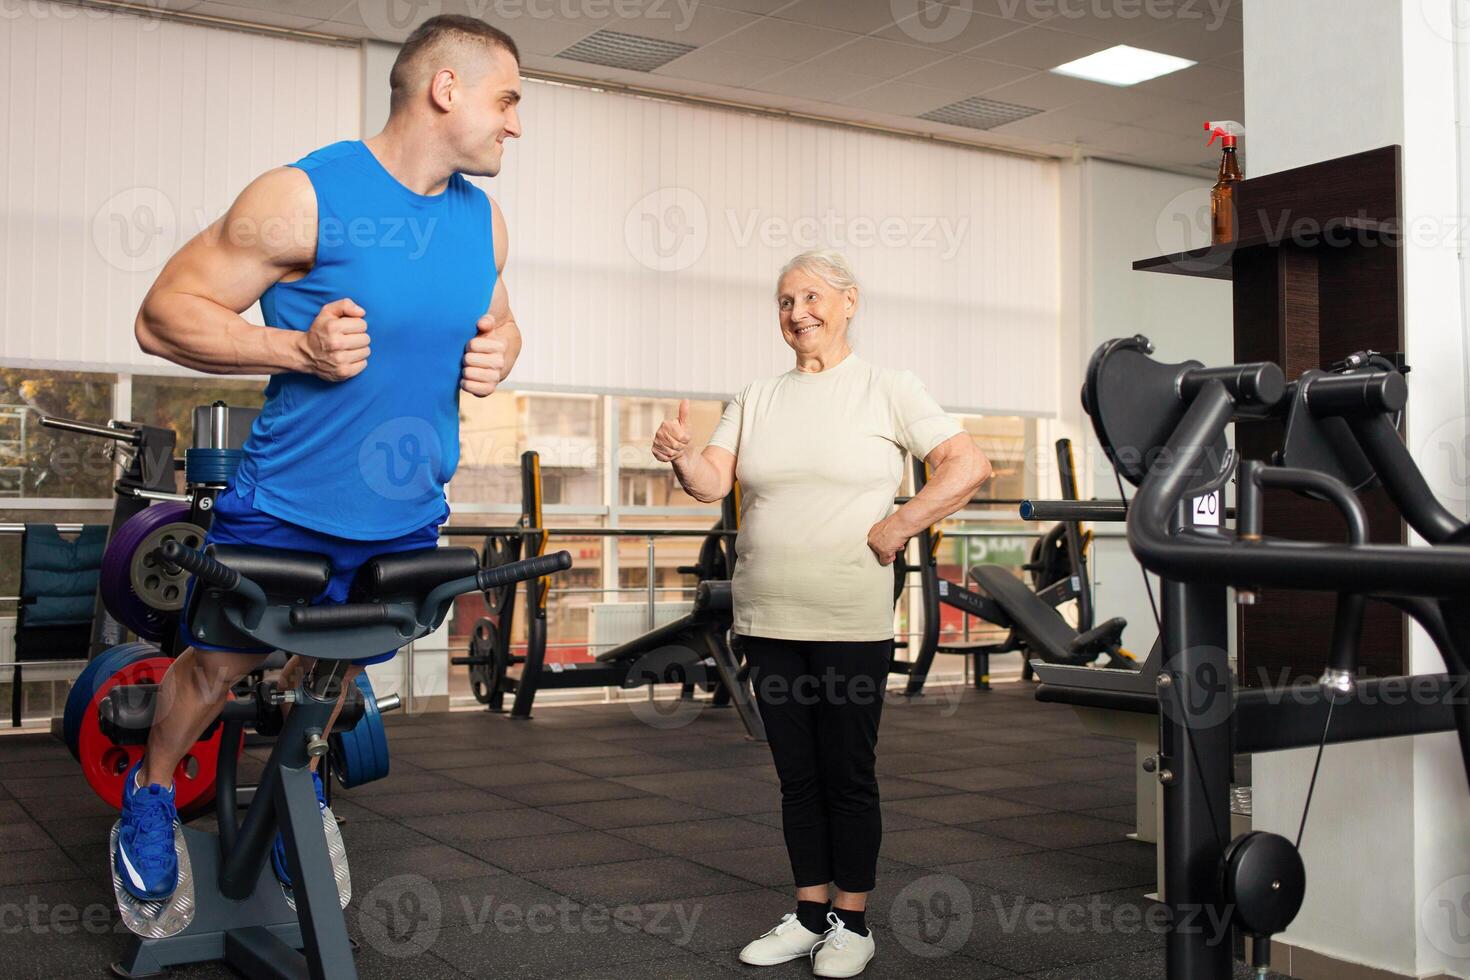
{"x":484,"y":360}
{"x":337,"y":345}
{"x":671,"y":442}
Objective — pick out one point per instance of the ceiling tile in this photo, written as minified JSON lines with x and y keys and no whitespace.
{"x":1197,"y":39}
{"x":855,"y":16}
{"x":548,"y":36}
{"x":1182,"y":119}
{"x":1198,"y":83}
{"x":668,"y":22}
{"x":902,"y":99}
{"x":1115,"y":23}
{"x":783,"y":40}
{"x":1128,"y":105}
{"x":751,"y":6}
{"x":1130,"y":139}
{"x":1039,"y":47}
{"x":873,"y":56}
{"x":826,"y":86}
{"x":957,"y":29}
{"x":1058,"y":126}
{"x":722,"y":67}
{"x":1046,"y":90}
{"x":968,"y":75}
{"x":1021,"y":11}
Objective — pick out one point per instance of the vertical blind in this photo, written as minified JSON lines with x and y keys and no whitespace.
{"x":124,"y":136}
{"x":646,"y":235}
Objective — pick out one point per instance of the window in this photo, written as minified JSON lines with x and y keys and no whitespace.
{"x":41,"y":462}
{"x":642,"y":480}
{"x":565,"y":429}
{"x":170,"y":402}
{"x":1005,"y":440}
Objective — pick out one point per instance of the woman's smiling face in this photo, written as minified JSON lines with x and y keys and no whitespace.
{"x":814,"y":314}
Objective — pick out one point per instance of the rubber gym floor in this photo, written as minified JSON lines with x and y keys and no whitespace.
{"x":590,"y":844}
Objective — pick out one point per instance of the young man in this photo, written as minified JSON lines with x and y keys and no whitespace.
{"x":378,"y":270}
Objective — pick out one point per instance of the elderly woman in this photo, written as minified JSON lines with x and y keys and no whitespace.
{"x":819,"y":452}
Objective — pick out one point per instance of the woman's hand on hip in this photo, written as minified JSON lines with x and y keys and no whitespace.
{"x":671,"y":441}
{"x":886,"y":542}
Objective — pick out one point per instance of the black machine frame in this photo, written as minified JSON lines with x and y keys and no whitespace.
{"x":1164,"y":427}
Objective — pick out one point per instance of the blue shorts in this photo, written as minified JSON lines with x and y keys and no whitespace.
{"x":237,"y":522}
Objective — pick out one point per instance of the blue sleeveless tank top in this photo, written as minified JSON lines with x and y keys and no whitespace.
{"x":368,"y":458}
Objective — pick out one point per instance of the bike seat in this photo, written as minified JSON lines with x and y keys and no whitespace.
{"x":280,"y":574}
{"x":411,"y":573}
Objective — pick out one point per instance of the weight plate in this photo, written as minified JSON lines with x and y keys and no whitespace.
{"x":84,"y":688}
{"x":360,"y":754}
{"x":105,"y":764}
{"x":116,"y":578}
{"x":159,"y":585}
{"x":488,"y":676}
{"x":499,"y":551}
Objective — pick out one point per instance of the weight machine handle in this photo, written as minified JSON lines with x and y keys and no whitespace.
{"x":526,"y":568}
{"x":200,"y":565}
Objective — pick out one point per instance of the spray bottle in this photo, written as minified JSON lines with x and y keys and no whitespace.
{"x":1222,"y":195}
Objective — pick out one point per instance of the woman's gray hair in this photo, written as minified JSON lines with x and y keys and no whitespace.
{"x":830,"y":264}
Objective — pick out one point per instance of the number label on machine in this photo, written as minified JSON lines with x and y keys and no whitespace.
{"x":1206,"y":510}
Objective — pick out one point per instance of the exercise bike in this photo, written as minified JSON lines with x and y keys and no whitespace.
{"x":228,"y":905}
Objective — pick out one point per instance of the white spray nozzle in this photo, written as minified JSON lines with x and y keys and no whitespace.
{"x":1223,"y":127}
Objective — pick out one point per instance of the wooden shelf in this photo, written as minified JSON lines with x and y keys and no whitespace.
{"x":1215,"y":261}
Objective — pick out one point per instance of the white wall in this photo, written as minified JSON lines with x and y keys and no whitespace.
{"x":1385,"y":848}
{"x":1117,"y":214}
{"x":123,"y":137}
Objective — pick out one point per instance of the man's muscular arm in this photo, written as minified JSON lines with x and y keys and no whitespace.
{"x":191,"y":316}
{"x":491,"y":354}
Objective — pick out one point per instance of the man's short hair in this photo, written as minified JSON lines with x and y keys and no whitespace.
{"x":431,"y":33}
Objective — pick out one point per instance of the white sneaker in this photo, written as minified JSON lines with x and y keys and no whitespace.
{"x":790,"y":940}
{"x":842,"y":953}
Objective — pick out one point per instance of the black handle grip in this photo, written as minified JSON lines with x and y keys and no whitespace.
{"x":526,"y":568}
{"x":350,"y":614}
{"x":200,"y":565}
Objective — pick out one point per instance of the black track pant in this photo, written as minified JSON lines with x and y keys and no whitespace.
{"x":821,"y":703}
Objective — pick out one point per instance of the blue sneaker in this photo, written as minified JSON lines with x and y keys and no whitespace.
{"x":278,"y":852}
{"x":145,"y":859}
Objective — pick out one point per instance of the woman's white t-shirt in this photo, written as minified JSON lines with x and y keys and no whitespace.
{"x":819,"y":458}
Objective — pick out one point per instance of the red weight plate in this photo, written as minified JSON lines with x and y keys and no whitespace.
{"x":105,"y":763}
